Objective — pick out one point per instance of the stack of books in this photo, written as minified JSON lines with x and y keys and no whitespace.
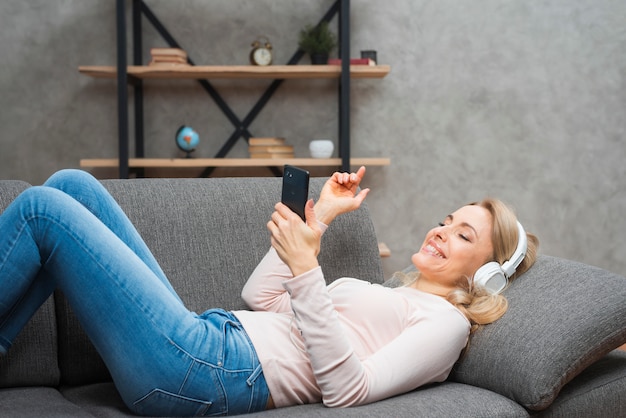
{"x":269,"y":148}
{"x":168,"y":56}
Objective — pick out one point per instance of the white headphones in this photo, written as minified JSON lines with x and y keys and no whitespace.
{"x":493,"y":276}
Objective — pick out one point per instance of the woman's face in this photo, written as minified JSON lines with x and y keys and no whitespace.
{"x":454,"y":250}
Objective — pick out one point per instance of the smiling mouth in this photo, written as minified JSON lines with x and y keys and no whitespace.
{"x":430,"y":249}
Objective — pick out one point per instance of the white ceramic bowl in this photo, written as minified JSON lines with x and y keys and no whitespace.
{"x":321,"y":148}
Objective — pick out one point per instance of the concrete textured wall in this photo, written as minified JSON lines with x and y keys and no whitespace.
{"x":519,"y":100}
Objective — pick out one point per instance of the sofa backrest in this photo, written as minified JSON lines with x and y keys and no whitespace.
{"x":208,"y":235}
{"x":32,"y":361}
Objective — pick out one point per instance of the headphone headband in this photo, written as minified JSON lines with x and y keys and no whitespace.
{"x":516,"y":259}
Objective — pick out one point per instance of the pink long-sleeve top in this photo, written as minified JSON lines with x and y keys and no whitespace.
{"x":348,"y":343}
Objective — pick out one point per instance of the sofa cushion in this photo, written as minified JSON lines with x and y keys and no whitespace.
{"x":444,"y":400}
{"x":597,"y":392}
{"x":208,"y":236}
{"x":437,"y":401}
{"x":563,"y":316}
{"x":32,"y":360}
{"x":79,"y":362}
{"x":98,"y":399}
{"x":38,"y":402}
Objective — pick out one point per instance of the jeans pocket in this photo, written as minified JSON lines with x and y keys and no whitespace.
{"x":161,"y":403}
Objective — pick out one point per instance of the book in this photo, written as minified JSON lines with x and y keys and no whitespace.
{"x":168,"y":52}
{"x":269,"y":147}
{"x":353,"y":61}
{"x":159,"y":58}
{"x":266,"y":141}
{"x":272,"y":155}
{"x":273,"y":149}
{"x":156,"y":61}
{"x":168,"y":56}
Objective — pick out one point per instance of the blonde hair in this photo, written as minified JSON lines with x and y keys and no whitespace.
{"x":479,"y":306}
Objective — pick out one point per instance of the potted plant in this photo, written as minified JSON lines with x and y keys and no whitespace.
{"x":317,"y":41}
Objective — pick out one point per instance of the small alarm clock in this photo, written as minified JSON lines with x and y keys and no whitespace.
{"x":261,"y":53}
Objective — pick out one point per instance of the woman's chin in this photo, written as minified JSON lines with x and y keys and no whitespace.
{"x":418,"y":260}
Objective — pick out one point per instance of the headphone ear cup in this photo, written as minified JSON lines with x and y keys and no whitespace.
{"x":491,"y":277}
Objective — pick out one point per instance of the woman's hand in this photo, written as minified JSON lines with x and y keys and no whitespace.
{"x":339,"y":195}
{"x":297,"y":243}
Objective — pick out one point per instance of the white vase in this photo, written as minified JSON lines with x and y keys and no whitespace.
{"x":321,"y":148}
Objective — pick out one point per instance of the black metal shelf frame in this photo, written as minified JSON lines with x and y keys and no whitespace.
{"x":140,"y":9}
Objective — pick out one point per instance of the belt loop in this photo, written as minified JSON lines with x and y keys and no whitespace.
{"x":255,"y":375}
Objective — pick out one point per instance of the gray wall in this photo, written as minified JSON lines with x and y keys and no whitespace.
{"x":520,"y":100}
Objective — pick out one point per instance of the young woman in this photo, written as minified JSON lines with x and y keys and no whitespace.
{"x":345,"y":344}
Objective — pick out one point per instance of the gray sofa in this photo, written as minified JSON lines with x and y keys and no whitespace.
{"x":552,"y":355}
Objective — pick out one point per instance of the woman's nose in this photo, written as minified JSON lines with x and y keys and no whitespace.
{"x":441,"y":233}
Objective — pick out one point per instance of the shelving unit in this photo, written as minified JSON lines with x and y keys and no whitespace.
{"x":136,"y":74}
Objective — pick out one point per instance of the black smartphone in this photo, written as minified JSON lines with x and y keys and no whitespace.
{"x":295,"y":189}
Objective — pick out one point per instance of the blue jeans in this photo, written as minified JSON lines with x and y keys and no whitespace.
{"x":70,"y":234}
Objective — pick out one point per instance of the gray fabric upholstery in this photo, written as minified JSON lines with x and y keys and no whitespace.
{"x":37,"y":402}
{"x":33,"y":358}
{"x":444,"y":400}
{"x":99,"y":399}
{"x":209,"y":234}
{"x":563,"y":316}
{"x":79,"y":362}
{"x":587,"y":395}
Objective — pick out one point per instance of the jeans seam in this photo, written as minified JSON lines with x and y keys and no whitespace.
{"x":184,"y":382}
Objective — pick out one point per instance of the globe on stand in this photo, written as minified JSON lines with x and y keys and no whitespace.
{"x":187,"y":139}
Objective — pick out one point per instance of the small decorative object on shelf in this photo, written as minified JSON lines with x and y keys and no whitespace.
{"x":187,"y":139}
{"x":317,"y":41}
{"x":168,"y":56}
{"x":371,"y":54}
{"x":321,"y":148}
{"x":261,"y":53}
{"x":271,"y":147}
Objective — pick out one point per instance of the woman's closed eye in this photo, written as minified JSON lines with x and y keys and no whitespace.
{"x":464,"y":236}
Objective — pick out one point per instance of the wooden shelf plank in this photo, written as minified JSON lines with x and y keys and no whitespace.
{"x":229,"y":162}
{"x":180,"y":71}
